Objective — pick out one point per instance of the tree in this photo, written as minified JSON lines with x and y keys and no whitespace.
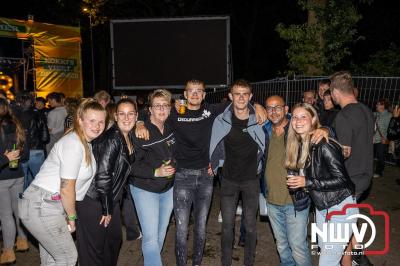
{"x":319,"y":45}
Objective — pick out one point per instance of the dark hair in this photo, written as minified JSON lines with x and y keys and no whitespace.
{"x":55,"y":96}
{"x":325,"y":82}
{"x":126,"y":100}
{"x":241,"y":83}
{"x":23,"y":97}
{"x":327,"y":93}
{"x":7,"y":117}
{"x":384,"y":102}
{"x":196,"y":82}
{"x":41,"y":99}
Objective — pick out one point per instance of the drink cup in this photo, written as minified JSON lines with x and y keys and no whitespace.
{"x":182,"y":106}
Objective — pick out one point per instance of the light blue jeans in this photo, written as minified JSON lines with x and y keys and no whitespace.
{"x":290,"y":231}
{"x":331,"y":252}
{"x":154,"y":212}
{"x":32,"y":166}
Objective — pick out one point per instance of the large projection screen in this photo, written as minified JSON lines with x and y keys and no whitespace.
{"x":154,"y":53}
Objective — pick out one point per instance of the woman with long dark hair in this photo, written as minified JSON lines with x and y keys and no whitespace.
{"x":12,"y":140}
{"x":99,"y":229}
{"x":323,"y":175}
{"x":48,"y":206}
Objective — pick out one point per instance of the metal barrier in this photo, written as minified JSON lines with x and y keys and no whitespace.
{"x":371,"y":89}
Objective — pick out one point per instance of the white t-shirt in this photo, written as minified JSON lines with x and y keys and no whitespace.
{"x":66,"y":160}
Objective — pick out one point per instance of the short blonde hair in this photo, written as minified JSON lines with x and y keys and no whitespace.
{"x":160,"y":93}
{"x":102,"y":95}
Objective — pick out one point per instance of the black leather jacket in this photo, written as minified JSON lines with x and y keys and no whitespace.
{"x":326,"y":177}
{"x":34,"y":123}
{"x":113,"y":169}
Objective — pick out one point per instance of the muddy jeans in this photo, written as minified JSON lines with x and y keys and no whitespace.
{"x":191,"y":187}
{"x":45,"y":219}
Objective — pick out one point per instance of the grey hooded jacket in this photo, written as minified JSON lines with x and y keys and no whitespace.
{"x":222,"y":126}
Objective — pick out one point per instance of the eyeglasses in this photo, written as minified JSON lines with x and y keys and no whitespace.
{"x":161,"y":106}
{"x":277,"y":109}
{"x":192,"y":91}
{"x":130,"y":115}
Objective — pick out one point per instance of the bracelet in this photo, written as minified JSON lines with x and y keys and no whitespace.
{"x":72,"y":217}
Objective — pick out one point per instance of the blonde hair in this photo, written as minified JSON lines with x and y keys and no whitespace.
{"x":160,"y":93}
{"x":84,"y":106}
{"x":297,"y":149}
{"x":102,"y":95}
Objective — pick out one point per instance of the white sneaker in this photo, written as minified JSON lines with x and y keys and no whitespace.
{"x":239,"y":210}
{"x":220,"y":217}
{"x":376,"y":176}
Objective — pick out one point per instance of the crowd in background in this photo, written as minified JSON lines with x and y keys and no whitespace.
{"x":72,"y":164}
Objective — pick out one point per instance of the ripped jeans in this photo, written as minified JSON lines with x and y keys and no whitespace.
{"x":191,"y":187}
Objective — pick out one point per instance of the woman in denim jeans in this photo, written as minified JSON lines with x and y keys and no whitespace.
{"x":152,"y":186}
{"x":326,"y":180}
{"x":47,"y":207}
{"x":12,"y":147}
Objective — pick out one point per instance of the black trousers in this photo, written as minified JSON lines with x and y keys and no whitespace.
{"x":380,"y":153}
{"x":129,"y":216}
{"x":97,"y":245}
{"x":229,"y":198}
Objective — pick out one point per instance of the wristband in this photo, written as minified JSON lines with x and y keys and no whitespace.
{"x":72,"y":217}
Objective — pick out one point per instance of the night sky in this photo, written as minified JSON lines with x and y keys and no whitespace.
{"x":258,"y":52}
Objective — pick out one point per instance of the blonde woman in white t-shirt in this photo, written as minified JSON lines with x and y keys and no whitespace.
{"x":47,"y":207}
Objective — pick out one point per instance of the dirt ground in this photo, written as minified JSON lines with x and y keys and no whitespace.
{"x":384,"y":197}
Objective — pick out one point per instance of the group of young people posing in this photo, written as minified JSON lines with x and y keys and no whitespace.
{"x":169,"y":163}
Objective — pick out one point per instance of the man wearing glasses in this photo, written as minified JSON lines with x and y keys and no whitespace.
{"x":288,"y":218}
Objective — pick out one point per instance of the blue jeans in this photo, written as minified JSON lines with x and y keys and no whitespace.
{"x":32,"y":166}
{"x":154,"y":212}
{"x":290,"y":231}
{"x":331,"y":252}
{"x":191,"y":187}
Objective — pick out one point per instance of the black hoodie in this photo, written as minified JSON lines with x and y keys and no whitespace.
{"x":150,"y":155}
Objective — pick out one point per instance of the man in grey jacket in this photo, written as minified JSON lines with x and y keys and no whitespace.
{"x":237,"y":144}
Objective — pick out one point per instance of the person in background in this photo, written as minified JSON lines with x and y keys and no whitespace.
{"x":47,"y":207}
{"x":99,"y":229}
{"x":309,"y":97}
{"x":55,"y":119}
{"x":71,"y":105}
{"x":381,"y":143}
{"x":40,"y":104}
{"x":111,"y":109}
{"x":103,"y":98}
{"x":394,"y":133}
{"x":152,"y":185}
{"x":12,"y":147}
{"x":329,"y":114}
{"x":324,"y":177}
{"x":37,"y":135}
{"x":354,"y":126}
{"x":323,"y":86}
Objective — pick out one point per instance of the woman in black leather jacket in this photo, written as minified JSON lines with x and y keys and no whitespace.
{"x":99,"y":232}
{"x":325,"y":179}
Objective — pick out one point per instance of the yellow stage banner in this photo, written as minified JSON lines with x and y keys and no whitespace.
{"x":57,"y":54}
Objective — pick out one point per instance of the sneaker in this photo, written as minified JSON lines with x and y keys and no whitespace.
{"x":239,"y":210}
{"x":220,"y":217}
{"x":377,"y":176}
